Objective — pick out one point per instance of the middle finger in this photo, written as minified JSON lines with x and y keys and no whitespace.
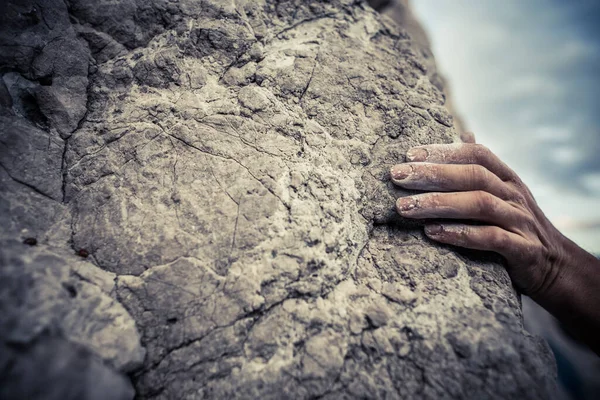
{"x":475,"y":205}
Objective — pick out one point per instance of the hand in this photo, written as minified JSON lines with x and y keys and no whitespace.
{"x":472,"y":184}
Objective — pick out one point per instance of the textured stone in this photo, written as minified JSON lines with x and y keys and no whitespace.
{"x":47,"y":292}
{"x":226,"y":165}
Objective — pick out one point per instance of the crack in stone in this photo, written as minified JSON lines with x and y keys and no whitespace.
{"x":287,"y":206}
{"x":305,"y":21}
{"x":312,"y":73}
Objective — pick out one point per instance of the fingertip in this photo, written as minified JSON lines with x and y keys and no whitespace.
{"x":467,"y":137}
{"x":404,"y":204}
{"x":417,"y":154}
{"x":400,"y":172}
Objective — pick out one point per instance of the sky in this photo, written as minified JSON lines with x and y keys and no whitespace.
{"x":525,"y":77}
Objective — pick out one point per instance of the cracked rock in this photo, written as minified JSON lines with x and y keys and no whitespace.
{"x":203,"y":189}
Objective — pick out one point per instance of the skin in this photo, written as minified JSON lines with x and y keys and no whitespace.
{"x":475,"y":201}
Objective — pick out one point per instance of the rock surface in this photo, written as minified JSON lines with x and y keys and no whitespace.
{"x":223,"y":169}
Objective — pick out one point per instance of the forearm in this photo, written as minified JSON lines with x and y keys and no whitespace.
{"x":573,"y":293}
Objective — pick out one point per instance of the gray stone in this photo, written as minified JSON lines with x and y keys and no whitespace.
{"x":224,"y":169}
{"x":51,"y":368}
{"x":43,"y":291}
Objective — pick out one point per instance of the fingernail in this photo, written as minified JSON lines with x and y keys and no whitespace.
{"x":417,"y":154}
{"x":400,"y":172}
{"x":406,"y":203}
{"x":433,"y":229}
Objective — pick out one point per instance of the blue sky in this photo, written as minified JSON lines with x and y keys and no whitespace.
{"x":525,"y":76}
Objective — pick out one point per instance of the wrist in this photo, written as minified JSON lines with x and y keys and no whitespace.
{"x":556,"y":267}
{"x":570,"y":270}
{"x":572,"y":292}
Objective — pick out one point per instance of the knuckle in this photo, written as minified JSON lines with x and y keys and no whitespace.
{"x":529,"y":222}
{"x":436,"y":173}
{"x":458,"y":234}
{"x":461,"y":230}
{"x":471,"y":176}
{"x":536,"y":251}
{"x":422,"y":170}
{"x":479,"y":176}
{"x":486,"y":203}
{"x":503,"y":240}
{"x":519,"y":186}
{"x":498,"y":239}
{"x":517,"y":197}
{"x":464,"y":235}
{"x":481,"y":153}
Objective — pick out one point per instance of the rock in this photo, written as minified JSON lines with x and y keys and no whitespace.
{"x":47,"y":292}
{"x":214,"y":215}
{"x":399,"y":293}
{"x":51,"y":368}
{"x":31,"y":156}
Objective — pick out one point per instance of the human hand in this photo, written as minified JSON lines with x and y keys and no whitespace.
{"x":472,"y":184}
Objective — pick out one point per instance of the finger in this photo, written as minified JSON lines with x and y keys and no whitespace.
{"x":476,"y":205}
{"x":449,"y":178}
{"x":461,"y":153}
{"x":467,"y":137}
{"x":480,"y":237}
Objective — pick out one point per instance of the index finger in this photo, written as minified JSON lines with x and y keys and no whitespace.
{"x":461,"y":153}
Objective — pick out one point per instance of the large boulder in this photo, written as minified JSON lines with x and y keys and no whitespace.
{"x":212,"y":213}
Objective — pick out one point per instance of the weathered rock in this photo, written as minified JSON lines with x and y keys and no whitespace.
{"x":44,"y":291}
{"x":51,"y":368}
{"x":56,"y":313}
{"x":401,"y":12}
{"x":229,"y":168}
